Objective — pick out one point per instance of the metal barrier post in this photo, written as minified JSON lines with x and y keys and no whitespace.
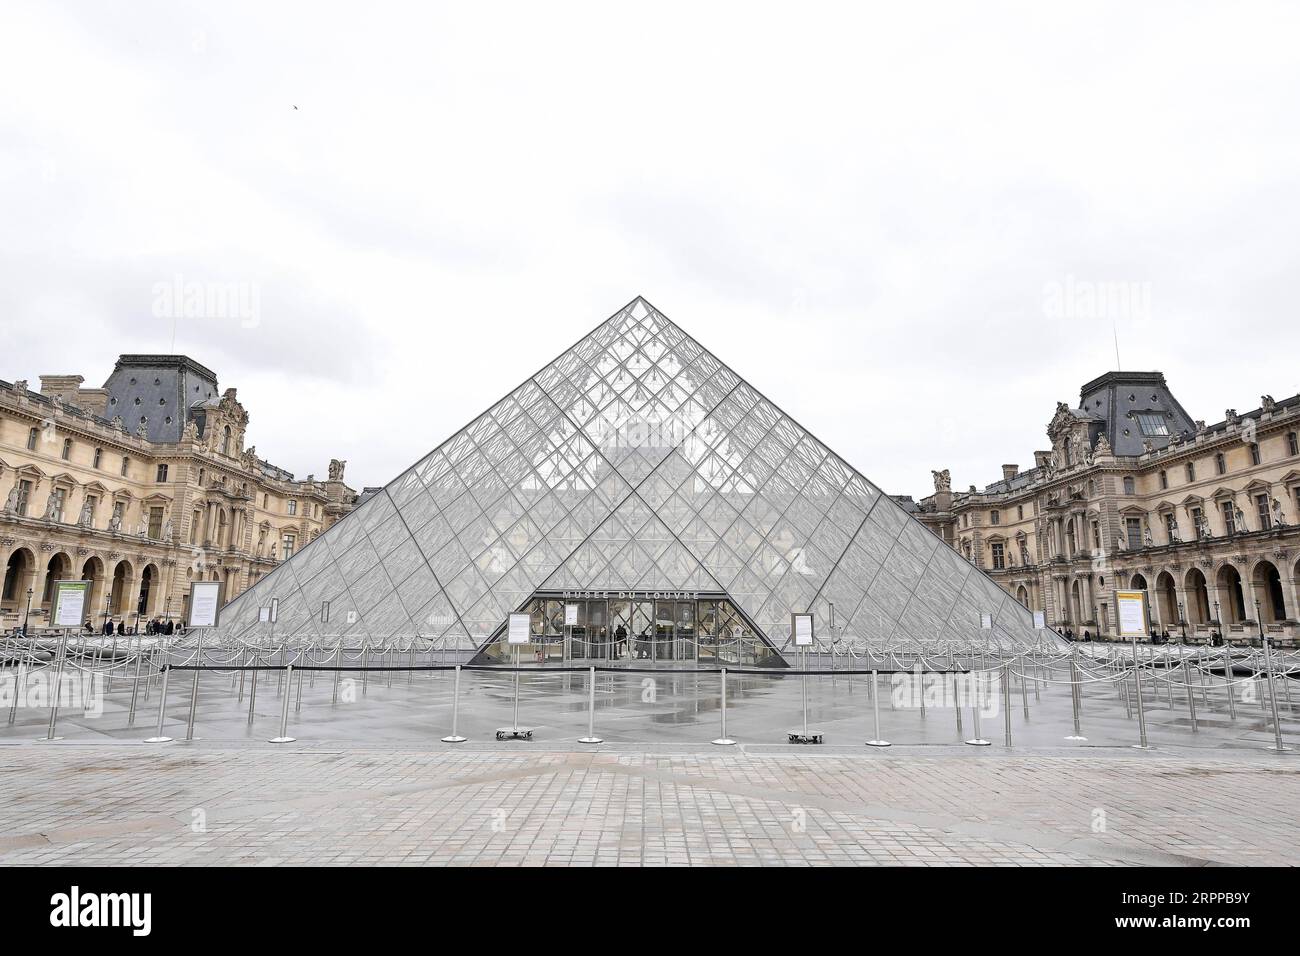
{"x":1142,"y":711}
{"x":252,"y":696}
{"x":956,"y":696}
{"x":158,"y":737}
{"x":1191,"y":698}
{"x":977,"y":740}
{"x":724,"y":740}
{"x":454,"y":737}
{"x":338,"y":663}
{"x":1006,"y":701}
{"x":194,"y":689}
{"x":1228,"y":675}
{"x":297,"y":694}
{"x":135,"y":684}
{"x":876,"y":740}
{"x":591,"y":737}
{"x":54,"y":687}
{"x":1074,"y":700}
{"x":284,"y":737}
{"x":1277,"y":746}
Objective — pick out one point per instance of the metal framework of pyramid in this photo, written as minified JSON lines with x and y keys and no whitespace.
{"x":636,"y":460}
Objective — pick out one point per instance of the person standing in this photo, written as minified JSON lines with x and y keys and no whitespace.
{"x":620,"y":641}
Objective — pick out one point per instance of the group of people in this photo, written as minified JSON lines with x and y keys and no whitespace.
{"x":152,"y":626}
{"x":1069,"y":635}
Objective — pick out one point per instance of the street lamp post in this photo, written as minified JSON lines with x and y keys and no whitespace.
{"x":1182,"y":621}
{"x":28,"y":616}
{"x":1218,"y":625}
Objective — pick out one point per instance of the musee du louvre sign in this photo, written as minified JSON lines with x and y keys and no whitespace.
{"x":627,"y":595}
{"x":635,"y":463}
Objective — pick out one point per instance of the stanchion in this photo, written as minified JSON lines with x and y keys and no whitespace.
{"x":804,"y":736}
{"x":876,"y":740}
{"x":252,"y":696}
{"x":284,"y":737}
{"x":338,"y":664}
{"x":1142,"y":711}
{"x":724,"y":740}
{"x":1006,"y":702}
{"x":1277,"y":746}
{"x":1191,"y":697}
{"x":454,"y":737}
{"x":135,"y":684}
{"x":1228,"y":675}
{"x":54,"y":687}
{"x":1074,"y":699}
{"x":977,"y":740}
{"x":591,"y":737}
{"x":194,"y":689}
{"x":158,"y":737}
{"x":297,"y":694}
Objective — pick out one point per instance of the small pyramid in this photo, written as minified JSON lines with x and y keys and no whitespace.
{"x":635,"y":463}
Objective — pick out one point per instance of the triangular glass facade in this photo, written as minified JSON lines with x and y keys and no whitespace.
{"x":636,"y":461}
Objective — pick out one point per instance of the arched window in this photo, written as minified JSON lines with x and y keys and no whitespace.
{"x":67,"y":449}
{"x":31,"y":439}
{"x":1220,"y":463}
{"x":1254,"y":454}
{"x":99,"y":454}
{"x":225,"y":442}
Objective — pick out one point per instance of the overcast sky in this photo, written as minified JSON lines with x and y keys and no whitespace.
{"x":909,"y":228}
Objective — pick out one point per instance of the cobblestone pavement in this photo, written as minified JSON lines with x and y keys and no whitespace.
{"x":132,"y":804}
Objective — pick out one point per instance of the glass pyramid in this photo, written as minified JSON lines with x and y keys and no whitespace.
{"x":634,"y":462}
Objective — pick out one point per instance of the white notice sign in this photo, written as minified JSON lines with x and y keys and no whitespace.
{"x":520,"y":630}
{"x":1132,"y":609}
{"x":70,"y":603}
{"x":205,"y":603}
{"x":570,"y":615}
{"x":986,"y":621}
{"x":1040,"y":619}
{"x":801,"y":626}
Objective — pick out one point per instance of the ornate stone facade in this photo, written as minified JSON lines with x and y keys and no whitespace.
{"x":1134,"y":493}
{"x":142,"y":512}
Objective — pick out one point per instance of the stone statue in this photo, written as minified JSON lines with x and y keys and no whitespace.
{"x":1203,"y":527}
{"x":52,"y":508}
{"x":1279,"y":520}
{"x":1266,"y":403}
{"x":1200,"y":426}
{"x":1239,"y":520}
{"x":272,"y":550}
{"x":1147,"y":539}
{"x":191,"y":431}
{"x":1231,"y":417}
{"x":1103,"y":446}
{"x":87,"y":514}
{"x":142,"y":528}
{"x":11,"y":503}
{"x":337,"y":466}
{"x":1173,"y":535}
{"x":167,"y":530}
{"x":20,"y":386}
{"x":115,"y":523}
{"x":142,"y":430}
{"x":118,"y":424}
{"x":942,"y":480}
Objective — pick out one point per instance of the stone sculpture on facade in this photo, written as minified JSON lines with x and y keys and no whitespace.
{"x":87,"y":514}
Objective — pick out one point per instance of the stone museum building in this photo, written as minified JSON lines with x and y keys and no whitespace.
{"x":1134,"y":493}
{"x":141,"y":487}
{"x":639,"y":500}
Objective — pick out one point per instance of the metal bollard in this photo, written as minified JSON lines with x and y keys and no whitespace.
{"x":1191,"y":697}
{"x":194,"y":691}
{"x":591,"y":737}
{"x":1006,"y":702}
{"x":252,"y":696}
{"x":977,"y":740}
{"x":724,"y":740}
{"x":158,"y":737}
{"x":135,"y":687}
{"x":454,"y":737}
{"x":876,"y":740}
{"x":297,"y":694}
{"x":1277,"y":746}
{"x":338,"y":663}
{"x":956,"y":686}
{"x":1075,"y":701}
{"x":284,"y":737}
{"x":58,"y":679}
{"x":1142,"y":711}
{"x":365,"y":669}
{"x":1228,"y":677}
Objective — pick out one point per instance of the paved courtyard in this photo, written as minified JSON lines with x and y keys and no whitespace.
{"x":197,"y":804}
{"x":369,"y":780}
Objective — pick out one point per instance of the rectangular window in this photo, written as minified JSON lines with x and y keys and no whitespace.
{"x":162,"y":474}
{"x":1254,"y":454}
{"x":1134,"y":528}
{"x":1096,"y":536}
{"x":156,"y":522}
{"x":126,"y":465}
{"x":265,"y":499}
{"x":1229,"y":518}
{"x":31,"y":440}
{"x":995,"y":517}
{"x":1020,"y":512}
{"x":1292,"y":444}
{"x":1220,"y":464}
{"x":1164,"y":480}
{"x":99,"y":453}
{"x":1265,"y":518}
{"x":1196,"y":522}
{"x":293,"y":507}
{"x":1153,"y":425}
{"x":999,"y":557}
{"x":194,"y":526}
{"x":1130,"y":486}
{"x":287,"y":542}
{"x":24,"y":495}
{"x":67,"y":449}
{"x":1171,"y":526}
{"x":1191,"y":471}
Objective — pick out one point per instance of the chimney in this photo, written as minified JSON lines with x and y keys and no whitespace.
{"x":1010,"y":471}
{"x":64,"y":387}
